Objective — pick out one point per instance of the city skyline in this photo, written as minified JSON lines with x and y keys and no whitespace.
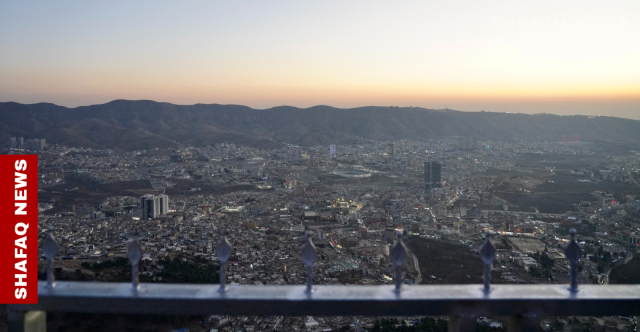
{"x":569,"y":58}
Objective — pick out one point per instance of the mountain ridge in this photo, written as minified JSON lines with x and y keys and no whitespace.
{"x":142,"y":124}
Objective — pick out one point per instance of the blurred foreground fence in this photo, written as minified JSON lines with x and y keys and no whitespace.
{"x":525,"y":305}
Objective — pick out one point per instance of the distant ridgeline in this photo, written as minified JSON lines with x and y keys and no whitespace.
{"x":132,"y":125}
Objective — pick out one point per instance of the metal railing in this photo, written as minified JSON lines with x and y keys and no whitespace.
{"x":524,"y":304}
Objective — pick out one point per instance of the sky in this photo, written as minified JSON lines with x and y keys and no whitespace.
{"x":543,"y":56}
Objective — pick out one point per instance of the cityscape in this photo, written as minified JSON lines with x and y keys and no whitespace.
{"x":443,"y":195}
{"x":319,"y":166}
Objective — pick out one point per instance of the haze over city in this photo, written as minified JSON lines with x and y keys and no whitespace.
{"x":325,"y":166}
{"x":573,"y":57}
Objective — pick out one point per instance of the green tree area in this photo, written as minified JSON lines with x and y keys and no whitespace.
{"x":603,"y":258}
{"x":110,"y":270}
{"x":194,"y":175}
{"x":176,"y":158}
{"x":179,"y":270}
{"x":545,"y":262}
{"x":426,"y":324}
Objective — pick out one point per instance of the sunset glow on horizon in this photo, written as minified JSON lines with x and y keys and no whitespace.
{"x":574,"y":57}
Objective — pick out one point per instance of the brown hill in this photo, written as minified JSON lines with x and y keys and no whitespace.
{"x":129,"y":125}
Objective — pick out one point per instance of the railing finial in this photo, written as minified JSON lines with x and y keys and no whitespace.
{"x":50,"y":249}
{"x":573,"y":253}
{"x":398,"y":257}
{"x":135,"y":255}
{"x":223,"y":251}
{"x":488,"y":254}
{"x":309,"y":256}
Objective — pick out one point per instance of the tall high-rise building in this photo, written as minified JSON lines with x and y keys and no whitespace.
{"x":154,"y":206}
{"x":332,"y":151}
{"x":35,"y":144}
{"x":432,"y":175}
{"x":150,"y":206}
{"x":164,"y":203}
{"x":468,"y":143}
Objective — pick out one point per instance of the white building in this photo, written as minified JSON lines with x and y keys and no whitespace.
{"x":164,"y":203}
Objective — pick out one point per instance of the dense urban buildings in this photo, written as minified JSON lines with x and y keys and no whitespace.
{"x":528,"y":193}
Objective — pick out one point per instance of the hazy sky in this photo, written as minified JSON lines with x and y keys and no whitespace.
{"x":543,"y":56}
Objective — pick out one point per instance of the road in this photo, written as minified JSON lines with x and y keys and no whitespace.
{"x":416,"y":265}
{"x":263,"y":167}
{"x":605,"y":280}
{"x":529,"y":213}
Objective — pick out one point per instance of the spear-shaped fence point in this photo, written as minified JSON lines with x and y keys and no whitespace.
{"x":223,"y":251}
{"x":135,"y":255}
{"x":50,"y":249}
{"x":398,"y":257}
{"x":309,"y":256}
{"x":573,"y":253}
{"x":488,"y":255}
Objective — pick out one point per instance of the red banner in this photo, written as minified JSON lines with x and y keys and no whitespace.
{"x":19,"y":229}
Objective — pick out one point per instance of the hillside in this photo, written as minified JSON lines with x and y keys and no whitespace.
{"x":130,"y":125}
